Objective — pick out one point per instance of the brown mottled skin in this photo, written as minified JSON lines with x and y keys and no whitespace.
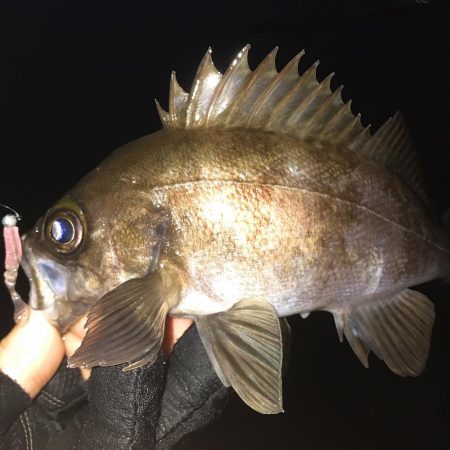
{"x":250,"y":214}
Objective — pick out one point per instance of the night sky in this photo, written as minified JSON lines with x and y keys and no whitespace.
{"x":79,"y":79}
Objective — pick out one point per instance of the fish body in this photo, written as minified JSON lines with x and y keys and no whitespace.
{"x":262,"y":197}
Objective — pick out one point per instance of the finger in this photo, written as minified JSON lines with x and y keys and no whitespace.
{"x":78,"y":328}
{"x":175,"y":328}
{"x":31,"y":353}
{"x":71,"y":342}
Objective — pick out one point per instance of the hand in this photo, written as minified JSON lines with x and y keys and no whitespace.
{"x":149,"y":407}
{"x":32,"y":352}
{"x":154,"y":407}
{"x":135,"y":410}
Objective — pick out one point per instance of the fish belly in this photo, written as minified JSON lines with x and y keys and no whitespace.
{"x":297,"y":249}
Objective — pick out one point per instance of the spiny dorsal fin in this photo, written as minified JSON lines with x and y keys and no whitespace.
{"x":288,"y":103}
{"x":264,"y":98}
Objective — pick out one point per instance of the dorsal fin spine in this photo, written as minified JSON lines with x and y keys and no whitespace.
{"x":287,"y":103}
{"x":240,"y":62}
{"x":250,"y":88}
{"x":177,"y":100}
{"x":362,"y":136}
{"x":288,"y":97}
{"x":322,"y":112}
{"x":347,"y":131}
{"x":330,"y":124}
{"x":267,"y":67}
{"x":288,"y":75}
{"x":206,"y":80}
{"x":163,"y":115}
{"x":303,"y":106}
{"x":172,"y":97}
{"x":296,"y":116}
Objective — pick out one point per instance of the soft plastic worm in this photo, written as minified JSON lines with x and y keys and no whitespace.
{"x":13,"y":255}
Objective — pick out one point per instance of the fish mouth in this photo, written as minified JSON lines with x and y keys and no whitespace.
{"x":48,"y":288}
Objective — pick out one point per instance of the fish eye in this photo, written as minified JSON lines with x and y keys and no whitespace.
{"x":65,"y":227}
{"x":62,"y":230}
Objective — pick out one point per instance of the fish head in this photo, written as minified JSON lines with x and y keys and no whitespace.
{"x":88,"y":243}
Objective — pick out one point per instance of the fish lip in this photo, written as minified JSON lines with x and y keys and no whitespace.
{"x":25,"y":265}
{"x":36,"y":299}
{"x":49,"y":281}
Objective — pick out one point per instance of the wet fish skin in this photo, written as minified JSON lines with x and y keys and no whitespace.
{"x":235,"y":226}
{"x":298,"y":223}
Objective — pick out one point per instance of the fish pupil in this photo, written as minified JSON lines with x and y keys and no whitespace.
{"x":62,"y":230}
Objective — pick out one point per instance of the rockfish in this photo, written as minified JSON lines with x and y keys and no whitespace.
{"x":262,"y":196}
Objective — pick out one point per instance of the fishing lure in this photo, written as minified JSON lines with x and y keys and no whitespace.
{"x":13,"y":256}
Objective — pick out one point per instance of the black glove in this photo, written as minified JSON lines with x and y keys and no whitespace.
{"x":151,"y":407}
{"x":194,"y":396}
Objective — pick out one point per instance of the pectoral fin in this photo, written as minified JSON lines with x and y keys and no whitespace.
{"x":125,"y":325}
{"x":397,"y":329}
{"x":245,"y":347}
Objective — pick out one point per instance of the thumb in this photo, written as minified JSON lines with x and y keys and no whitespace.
{"x":32,"y":352}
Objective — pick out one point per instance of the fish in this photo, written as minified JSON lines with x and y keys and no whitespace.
{"x":261,"y":197}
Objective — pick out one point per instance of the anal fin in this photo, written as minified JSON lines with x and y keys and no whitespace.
{"x":397,"y":329}
{"x":244,"y":345}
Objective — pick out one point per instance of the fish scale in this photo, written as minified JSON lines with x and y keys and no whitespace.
{"x":263,"y":196}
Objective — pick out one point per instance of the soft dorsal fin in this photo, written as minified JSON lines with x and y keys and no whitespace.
{"x":287,"y":103}
{"x":392,"y":147}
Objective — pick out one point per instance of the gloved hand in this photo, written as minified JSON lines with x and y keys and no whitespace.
{"x":151,"y":407}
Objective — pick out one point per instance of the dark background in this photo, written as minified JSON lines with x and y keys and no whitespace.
{"x":79,"y":79}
